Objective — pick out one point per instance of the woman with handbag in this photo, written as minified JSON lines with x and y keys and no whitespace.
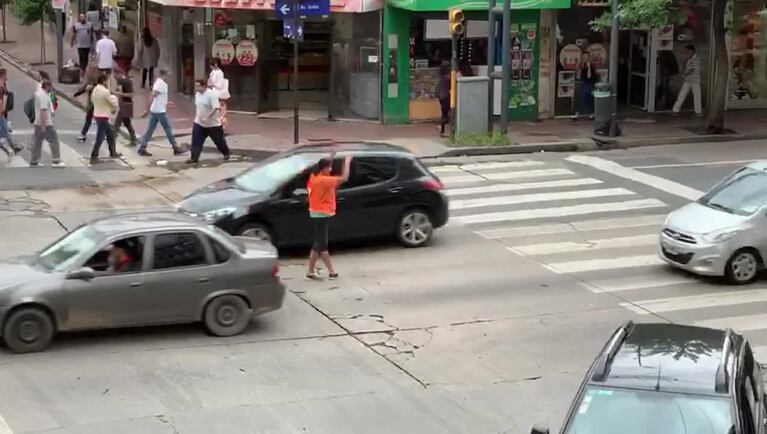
{"x":220,"y":84}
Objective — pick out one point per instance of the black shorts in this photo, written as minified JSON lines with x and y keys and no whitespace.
{"x":321,"y":226}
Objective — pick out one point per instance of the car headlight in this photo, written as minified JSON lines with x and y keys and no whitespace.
{"x":720,"y":235}
{"x":217,"y":214}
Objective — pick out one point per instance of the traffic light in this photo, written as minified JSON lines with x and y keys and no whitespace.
{"x":456,"y":21}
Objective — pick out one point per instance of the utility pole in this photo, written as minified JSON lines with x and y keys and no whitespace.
{"x":457,"y":27}
{"x":58,"y":9}
{"x":491,"y":20}
{"x":296,"y":26}
{"x":614,"y":70}
{"x":506,"y":68}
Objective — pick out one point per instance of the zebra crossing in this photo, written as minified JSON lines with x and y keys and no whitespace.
{"x":604,"y":236}
{"x":73,"y":153}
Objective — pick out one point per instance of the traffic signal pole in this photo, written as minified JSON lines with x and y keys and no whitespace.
{"x":506,"y":68}
{"x":614,"y":70}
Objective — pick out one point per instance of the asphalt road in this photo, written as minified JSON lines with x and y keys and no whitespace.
{"x":488,"y":330}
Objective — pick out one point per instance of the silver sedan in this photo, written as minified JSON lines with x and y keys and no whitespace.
{"x":135,"y":270}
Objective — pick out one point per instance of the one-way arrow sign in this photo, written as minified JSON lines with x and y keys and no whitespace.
{"x":293,"y":30}
{"x":284,"y":8}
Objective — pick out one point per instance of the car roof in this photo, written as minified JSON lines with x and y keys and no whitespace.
{"x":758,"y":165}
{"x":352,"y":148}
{"x":144,"y":221}
{"x":670,"y":358}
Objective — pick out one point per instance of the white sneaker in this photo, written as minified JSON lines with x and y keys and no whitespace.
{"x":58,"y":164}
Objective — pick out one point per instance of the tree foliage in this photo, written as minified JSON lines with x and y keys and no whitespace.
{"x":32,"y":11}
{"x":640,"y":14}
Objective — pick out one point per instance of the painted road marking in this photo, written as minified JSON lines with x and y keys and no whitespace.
{"x":562,"y":211}
{"x":587,"y":245}
{"x":653,"y":181}
{"x":537,"y":197}
{"x":500,"y":165}
{"x":522,"y":174}
{"x":499,"y":188}
{"x":574,"y":227}
{"x":572,"y":267}
{"x":739,"y":323}
{"x":635,"y":283}
{"x":709,"y":163}
{"x":4,"y":428}
{"x":715,"y":299}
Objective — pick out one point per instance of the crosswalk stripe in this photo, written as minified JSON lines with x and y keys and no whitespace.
{"x":461,"y":179}
{"x":562,"y":211}
{"x":444,"y":169}
{"x":740,"y":323}
{"x":586,"y":245}
{"x":579,"y":226}
{"x":603,"y":264}
{"x":500,"y":165}
{"x":701,"y":301}
{"x":522,"y":174}
{"x":636,"y":282}
{"x":500,"y":188}
{"x":537,"y":197}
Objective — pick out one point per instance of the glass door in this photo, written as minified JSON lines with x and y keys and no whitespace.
{"x":639,"y":69}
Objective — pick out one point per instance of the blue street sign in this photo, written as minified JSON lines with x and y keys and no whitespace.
{"x":292,"y":30}
{"x":306,"y":8}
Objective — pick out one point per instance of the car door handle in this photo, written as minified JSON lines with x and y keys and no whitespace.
{"x":135,"y":284}
{"x":395,"y":189}
{"x":203,"y":280}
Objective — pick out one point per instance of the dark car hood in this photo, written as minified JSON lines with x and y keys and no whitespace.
{"x":218,"y":195}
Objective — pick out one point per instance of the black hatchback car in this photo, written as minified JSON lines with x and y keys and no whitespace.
{"x":670,"y":379}
{"x":389,"y":192}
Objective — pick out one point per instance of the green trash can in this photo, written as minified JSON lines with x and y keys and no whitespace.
{"x":602,"y":103}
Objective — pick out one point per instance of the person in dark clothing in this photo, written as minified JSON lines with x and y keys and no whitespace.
{"x":668,"y":68}
{"x":125,"y":112}
{"x":587,"y":79}
{"x":443,"y":94}
{"x":87,"y":87}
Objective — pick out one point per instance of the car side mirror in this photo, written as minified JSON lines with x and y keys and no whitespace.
{"x":300,"y":192}
{"x":85,"y":273}
{"x":538,"y":429}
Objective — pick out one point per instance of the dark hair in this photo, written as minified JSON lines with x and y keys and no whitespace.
{"x":46,"y":84}
{"x":201,"y":82}
{"x":3,"y":72}
{"x":216,"y":62}
{"x":105,"y":32}
{"x":323,"y":164}
{"x":101,"y":79}
{"x":690,"y":47}
{"x":147,"y":36}
{"x":44,"y":75}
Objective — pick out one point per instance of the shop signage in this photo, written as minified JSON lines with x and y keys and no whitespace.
{"x":224,"y":51}
{"x":246,"y":53}
{"x":306,"y":8}
{"x":220,"y":19}
{"x":292,"y":29}
{"x":598,"y":55}
{"x":570,"y":56}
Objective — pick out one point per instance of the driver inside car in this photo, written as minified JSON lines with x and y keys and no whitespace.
{"x":120,"y":259}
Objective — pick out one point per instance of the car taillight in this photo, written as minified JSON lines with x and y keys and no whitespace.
{"x":275,"y":269}
{"x":431,"y":184}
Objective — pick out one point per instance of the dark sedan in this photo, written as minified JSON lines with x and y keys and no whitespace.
{"x":389,"y":192}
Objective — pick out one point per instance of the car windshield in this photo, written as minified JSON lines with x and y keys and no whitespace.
{"x":742,"y":193}
{"x":609,"y":410}
{"x":274,"y":172}
{"x":60,"y":255}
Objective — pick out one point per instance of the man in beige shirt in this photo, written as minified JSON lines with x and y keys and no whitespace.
{"x":104,"y":107}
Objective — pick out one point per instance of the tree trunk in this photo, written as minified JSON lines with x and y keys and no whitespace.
{"x":717,"y":92}
{"x":5,"y":35}
{"x":42,"y":40}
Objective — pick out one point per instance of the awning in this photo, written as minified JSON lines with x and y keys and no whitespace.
{"x":474,"y":5}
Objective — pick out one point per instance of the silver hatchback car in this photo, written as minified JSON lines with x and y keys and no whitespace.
{"x":135,"y":270}
{"x":724,"y":233}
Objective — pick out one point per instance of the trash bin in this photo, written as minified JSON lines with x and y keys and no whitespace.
{"x":602,"y":108}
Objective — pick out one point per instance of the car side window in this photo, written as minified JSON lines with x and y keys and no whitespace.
{"x":124,"y":255}
{"x":370,"y":170}
{"x":220,"y":252}
{"x":182,"y":249}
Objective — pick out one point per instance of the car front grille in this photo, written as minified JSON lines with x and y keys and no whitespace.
{"x":679,"y":236}
{"x":679,"y":258}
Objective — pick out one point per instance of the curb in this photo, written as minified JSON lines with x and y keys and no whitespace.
{"x":520,"y":149}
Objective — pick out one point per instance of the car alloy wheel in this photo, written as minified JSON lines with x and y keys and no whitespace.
{"x":227,"y":315}
{"x":28,"y":330}
{"x":742,"y":267}
{"x":257,"y":231}
{"x":415,"y":228}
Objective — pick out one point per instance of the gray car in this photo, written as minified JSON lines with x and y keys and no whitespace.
{"x":135,"y":270}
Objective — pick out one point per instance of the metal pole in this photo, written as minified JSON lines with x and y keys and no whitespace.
{"x":506,"y":68}
{"x":295,"y":70}
{"x":453,"y":76}
{"x":490,"y":63}
{"x":59,"y":41}
{"x":5,"y":35}
{"x":614,"y":35}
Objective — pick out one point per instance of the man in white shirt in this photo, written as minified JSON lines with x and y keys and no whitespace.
{"x":43,"y":127}
{"x":207,"y":122}
{"x":158,"y":105}
{"x":105,"y":53}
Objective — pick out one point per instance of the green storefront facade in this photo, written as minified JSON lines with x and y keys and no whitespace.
{"x":408,"y":73}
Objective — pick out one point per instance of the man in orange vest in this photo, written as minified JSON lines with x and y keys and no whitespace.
{"x":322,"y":187}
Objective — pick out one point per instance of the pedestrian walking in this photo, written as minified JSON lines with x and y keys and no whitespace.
{"x":691,"y":73}
{"x":443,"y":94}
{"x":322,"y":187}
{"x":220,"y":85}
{"x":95,"y":18}
{"x":44,"y":128}
{"x":6,"y":105}
{"x":125,"y":112}
{"x":207,"y":122}
{"x":148,"y":57}
{"x":104,"y":105}
{"x":125,"y":49}
{"x":106,"y":50}
{"x":587,"y":77}
{"x":82,"y":37}
{"x":91,"y":75}
{"x":158,"y":106}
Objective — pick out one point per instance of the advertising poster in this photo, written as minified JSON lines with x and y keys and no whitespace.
{"x":598,"y":55}
{"x":246,"y":53}
{"x":223,"y":50}
{"x":570,"y":57}
{"x":566,"y":84}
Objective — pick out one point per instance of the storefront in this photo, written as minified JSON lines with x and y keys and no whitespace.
{"x":747,"y":36}
{"x":338,"y":59}
{"x":417,"y":41}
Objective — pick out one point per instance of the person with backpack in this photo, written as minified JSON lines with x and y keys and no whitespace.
{"x":42,"y":119}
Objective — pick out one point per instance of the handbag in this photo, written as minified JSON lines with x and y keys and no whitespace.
{"x":223,"y":93}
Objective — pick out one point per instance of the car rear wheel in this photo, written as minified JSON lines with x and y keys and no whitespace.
{"x":742,"y":267}
{"x":28,"y":330}
{"x":227,"y":315}
{"x":258,"y":231}
{"x":415,"y":228}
